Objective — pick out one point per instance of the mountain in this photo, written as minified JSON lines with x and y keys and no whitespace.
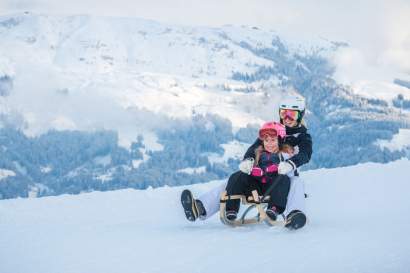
{"x":357,"y":222}
{"x":102,"y":103}
{"x":402,"y":83}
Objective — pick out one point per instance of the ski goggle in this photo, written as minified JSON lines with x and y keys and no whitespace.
{"x":269,"y":133}
{"x":289,"y":114}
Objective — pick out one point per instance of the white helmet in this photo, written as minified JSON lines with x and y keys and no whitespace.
{"x":293,"y":103}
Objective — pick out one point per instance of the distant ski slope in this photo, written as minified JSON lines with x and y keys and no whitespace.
{"x":358,"y":223}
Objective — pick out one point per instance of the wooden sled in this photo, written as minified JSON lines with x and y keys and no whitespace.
{"x":254,"y":202}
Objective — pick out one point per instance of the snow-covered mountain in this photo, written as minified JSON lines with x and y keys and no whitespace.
{"x":125,"y":94}
{"x":112,"y":69}
{"x":357,"y":223}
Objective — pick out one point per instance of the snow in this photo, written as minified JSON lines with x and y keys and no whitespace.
{"x":63,"y":123}
{"x":19,"y":168}
{"x":399,"y":142}
{"x":6,"y":68}
{"x":105,"y":177}
{"x":136,"y":163}
{"x":34,"y":190}
{"x":233,"y":149}
{"x":357,"y":223}
{"x":6,"y":173}
{"x":198,"y":170}
{"x":380,"y":90}
{"x":128,"y":75}
{"x":103,"y":160}
{"x":46,"y":169}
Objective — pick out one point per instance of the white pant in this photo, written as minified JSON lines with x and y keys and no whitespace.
{"x":296,"y":198}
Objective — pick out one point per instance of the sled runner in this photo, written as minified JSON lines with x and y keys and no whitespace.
{"x":255,"y":202}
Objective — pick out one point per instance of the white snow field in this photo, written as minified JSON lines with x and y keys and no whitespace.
{"x":358,"y":222}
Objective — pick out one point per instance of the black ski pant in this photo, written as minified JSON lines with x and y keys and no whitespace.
{"x":244,"y":184}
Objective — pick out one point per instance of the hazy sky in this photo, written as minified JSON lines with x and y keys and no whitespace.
{"x":378,"y":31}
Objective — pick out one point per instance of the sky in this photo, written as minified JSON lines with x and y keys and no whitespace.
{"x":377,"y":31}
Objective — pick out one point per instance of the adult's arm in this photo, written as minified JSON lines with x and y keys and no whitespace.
{"x":305,"y":151}
{"x":251,"y":150}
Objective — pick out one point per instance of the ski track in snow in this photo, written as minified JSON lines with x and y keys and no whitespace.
{"x":358,"y":222}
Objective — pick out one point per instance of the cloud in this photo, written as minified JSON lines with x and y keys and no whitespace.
{"x":380,"y":46}
{"x":397,"y":36}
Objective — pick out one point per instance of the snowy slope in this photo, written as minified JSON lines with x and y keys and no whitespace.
{"x":138,"y":77}
{"x":399,"y":141}
{"x":120,"y":72}
{"x":358,"y":223}
{"x":380,"y":90}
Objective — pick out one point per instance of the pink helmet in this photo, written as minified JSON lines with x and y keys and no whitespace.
{"x":272,"y":128}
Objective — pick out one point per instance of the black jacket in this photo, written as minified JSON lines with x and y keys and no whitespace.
{"x":296,"y":137}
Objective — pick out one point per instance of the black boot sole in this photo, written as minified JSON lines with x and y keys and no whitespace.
{"x":296,"y":221}
{"x":188,"y":203}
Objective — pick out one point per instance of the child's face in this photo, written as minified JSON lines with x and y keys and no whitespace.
{"x":271,"y":144}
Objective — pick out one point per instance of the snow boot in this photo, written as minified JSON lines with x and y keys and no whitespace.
{"x":272,"y":213}
{"x":192,"y":208}
{"x":295,"y":220}
{"x":231,"y":215}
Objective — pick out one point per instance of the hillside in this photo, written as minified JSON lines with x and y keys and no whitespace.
{"x":102,"y":103}
{"x":357,"y":223}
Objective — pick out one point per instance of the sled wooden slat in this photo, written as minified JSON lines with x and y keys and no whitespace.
{"x":261,"y":217}
{"x":244,"y":200}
